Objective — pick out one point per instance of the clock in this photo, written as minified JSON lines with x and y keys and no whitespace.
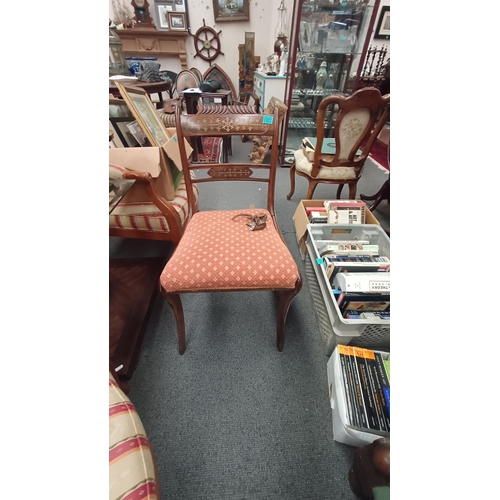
{"x":141,"y":10}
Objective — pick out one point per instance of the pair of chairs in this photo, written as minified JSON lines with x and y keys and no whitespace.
{"x":223,"y":250}
{"x":360,"y":118}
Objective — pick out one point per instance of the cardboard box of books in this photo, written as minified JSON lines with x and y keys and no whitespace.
{"x":311,"y":212}
{"x":359,"y":392}
{"x":164,"y":165}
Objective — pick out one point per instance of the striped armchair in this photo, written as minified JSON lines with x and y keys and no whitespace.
{"x":132,"y":467}
{"x":153,"y":218}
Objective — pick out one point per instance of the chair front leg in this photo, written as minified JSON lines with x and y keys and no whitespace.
{"x":311,"y":189}
{"x":174,"y":301}
{"x":285,"y":299}
{"x":339,"y":191}
{"x":292,"y":180}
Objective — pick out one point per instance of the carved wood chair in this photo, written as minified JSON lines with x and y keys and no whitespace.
{"x":360,"y":118}
{"x":149,"y":216}
{"x":234,"y":258}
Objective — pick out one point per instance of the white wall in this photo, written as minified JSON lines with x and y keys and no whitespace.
{"x":263,"y":21}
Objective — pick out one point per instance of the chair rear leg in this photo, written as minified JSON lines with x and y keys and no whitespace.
{"x":311,"y":189}
{"x":285,"y":299}
{"x":174,"y":301}
{"x":292,"y":180}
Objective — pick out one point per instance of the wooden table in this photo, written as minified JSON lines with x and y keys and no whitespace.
{"x":191,"y":98}
{"x":149,"y":87}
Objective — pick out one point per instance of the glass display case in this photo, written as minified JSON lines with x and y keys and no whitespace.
{"x":328,"y":40}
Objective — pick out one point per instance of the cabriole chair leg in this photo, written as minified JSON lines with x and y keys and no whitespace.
{"x":285,"y":299}
{"x":292,"y":180}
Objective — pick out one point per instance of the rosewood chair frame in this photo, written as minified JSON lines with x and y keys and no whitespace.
{"x":229,"y":124}
{"x":378,"y":106}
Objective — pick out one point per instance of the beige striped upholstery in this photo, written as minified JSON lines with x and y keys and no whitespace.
{"x":147,"y":216}
{"x":132,"y":473}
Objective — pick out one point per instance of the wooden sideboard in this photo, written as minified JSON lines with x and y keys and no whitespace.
{"x":139,"y":42}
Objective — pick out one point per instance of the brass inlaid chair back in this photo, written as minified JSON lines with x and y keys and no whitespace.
{"x":228,"y":124}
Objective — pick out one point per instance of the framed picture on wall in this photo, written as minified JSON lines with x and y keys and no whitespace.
{"x":383,"y":30}
{"x":231,"y":10}
{"x":177,"y":21}
{"x":162,"y":10}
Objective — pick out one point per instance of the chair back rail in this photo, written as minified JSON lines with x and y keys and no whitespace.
{"x":222,"y":125}
{"x":360,"y":119}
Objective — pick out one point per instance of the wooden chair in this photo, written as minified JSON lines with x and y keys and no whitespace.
{"x":360,"y":118}
{"x":252,"y":259}
{"x":151,"y":216}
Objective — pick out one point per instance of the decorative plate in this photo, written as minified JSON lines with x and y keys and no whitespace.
{"x":185,"y":80}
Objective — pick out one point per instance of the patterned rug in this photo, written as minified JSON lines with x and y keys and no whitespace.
{"x":378,"y":154}
{"x":212,"y":149}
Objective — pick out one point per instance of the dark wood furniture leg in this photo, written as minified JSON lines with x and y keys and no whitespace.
{"x":384,"y":193}
{"x":133,"y":287}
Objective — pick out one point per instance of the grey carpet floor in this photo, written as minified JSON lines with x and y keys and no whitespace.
{"x":233,"y":418}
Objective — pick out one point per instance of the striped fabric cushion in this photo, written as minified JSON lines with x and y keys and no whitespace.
{"x":131,"y":464}
{"x":302,"y":164}
{"x":218,"y":252}
{"x":147,"y":216}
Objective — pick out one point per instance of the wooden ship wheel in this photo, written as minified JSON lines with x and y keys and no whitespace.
{"x":207,"y":43}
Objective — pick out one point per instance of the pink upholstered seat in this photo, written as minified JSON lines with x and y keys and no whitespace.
{"x":218,"y":253}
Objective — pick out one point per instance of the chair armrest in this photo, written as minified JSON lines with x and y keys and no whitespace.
{"x":145,"y":178}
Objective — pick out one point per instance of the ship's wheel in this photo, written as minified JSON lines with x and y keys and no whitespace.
{"x":207,"y":43}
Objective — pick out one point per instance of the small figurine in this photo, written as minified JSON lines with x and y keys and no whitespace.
{"x":283,"y":60}
{"x":321,"y":75}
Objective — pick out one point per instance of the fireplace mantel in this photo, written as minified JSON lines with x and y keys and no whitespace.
{"x":152,"y":42}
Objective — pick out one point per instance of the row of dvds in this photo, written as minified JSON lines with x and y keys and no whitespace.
{"x":366,"y":382}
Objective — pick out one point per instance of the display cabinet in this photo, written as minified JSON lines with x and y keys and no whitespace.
{"x":328,"y":43}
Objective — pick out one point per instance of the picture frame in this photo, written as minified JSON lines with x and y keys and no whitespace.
{"x":177,"y":21}
{"x":383,"y":30}
{"x":236,"y":10}
{"x":120,"y":117}
{"x":162,"y":10}
{"x":145,"y":113}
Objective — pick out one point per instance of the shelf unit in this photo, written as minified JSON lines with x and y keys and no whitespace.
{"x":331,"y":36}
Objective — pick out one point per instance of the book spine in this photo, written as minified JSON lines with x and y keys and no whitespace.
{"x":371,"y":411}
{"x":352,"y":387}
{"x":384,"y":381}
{"x":371,"y":364}
{"x":357,"y":385}
{"x":347,"y":386}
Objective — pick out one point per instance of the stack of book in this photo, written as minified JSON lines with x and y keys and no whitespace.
{"x":363,"y":295}
{"x":338,"y":212}
{"x":366,"y":382}
{"x":346,"y":211}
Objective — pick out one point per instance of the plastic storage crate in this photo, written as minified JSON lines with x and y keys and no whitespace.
{"x":362,"y":332}
{"x":372,"y":336}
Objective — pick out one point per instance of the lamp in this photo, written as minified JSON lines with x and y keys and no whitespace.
{"x":281,"y":28}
